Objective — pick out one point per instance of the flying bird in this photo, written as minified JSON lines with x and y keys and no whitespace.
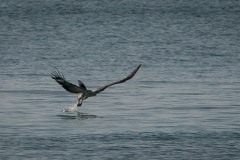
{"x":82,"y":89}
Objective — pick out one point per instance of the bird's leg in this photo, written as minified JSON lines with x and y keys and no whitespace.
{"x":79,"y":103}
{"x":80,"y":100}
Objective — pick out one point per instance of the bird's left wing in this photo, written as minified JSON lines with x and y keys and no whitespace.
{"x":72,"y":88}
{"x":118,"y":82}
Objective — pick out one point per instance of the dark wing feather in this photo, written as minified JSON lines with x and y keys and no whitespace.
{"x":82,"y":85}
{"x":72,"y":88}
{"x":120,"y":81}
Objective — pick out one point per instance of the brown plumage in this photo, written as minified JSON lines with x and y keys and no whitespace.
{"x":85,"y":93}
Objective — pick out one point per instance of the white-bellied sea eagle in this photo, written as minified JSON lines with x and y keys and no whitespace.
{"x":82,"y":89}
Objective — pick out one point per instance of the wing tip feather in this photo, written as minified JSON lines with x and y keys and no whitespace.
{"x":55,"y":74}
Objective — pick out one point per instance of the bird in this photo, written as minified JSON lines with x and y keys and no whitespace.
{"x":81,"y":89}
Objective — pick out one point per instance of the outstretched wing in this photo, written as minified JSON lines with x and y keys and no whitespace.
{"x":117,"y":82}
{"x":72,"y":88}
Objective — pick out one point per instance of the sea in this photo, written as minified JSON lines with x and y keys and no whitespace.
{"x":183,"y":103}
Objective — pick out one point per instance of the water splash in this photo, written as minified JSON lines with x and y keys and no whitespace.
{"x":72,"y":108}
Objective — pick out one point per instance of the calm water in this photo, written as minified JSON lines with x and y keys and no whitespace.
{"x":182,"y":104}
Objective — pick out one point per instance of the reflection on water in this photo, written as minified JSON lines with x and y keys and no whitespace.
{"x":77,"y":115}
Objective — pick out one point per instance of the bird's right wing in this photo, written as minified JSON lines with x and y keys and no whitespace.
{"x":119,"y":81}
{"x":72,"y":88}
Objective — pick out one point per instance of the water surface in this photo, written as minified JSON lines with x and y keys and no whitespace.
{"x":183,"y":102}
